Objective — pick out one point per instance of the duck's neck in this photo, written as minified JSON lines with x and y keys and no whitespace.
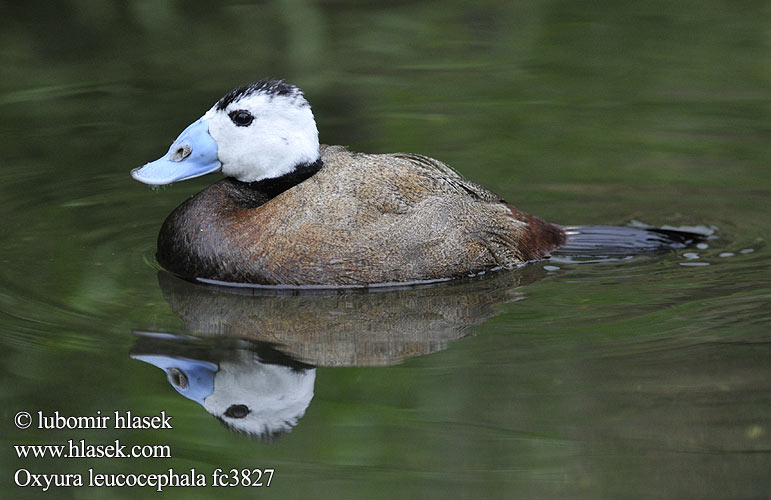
{"x":253,"y":194}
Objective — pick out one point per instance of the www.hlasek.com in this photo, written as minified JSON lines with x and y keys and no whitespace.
{"x":80,"y":448}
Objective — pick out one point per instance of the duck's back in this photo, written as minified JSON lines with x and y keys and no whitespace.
{"x":361,"y":220}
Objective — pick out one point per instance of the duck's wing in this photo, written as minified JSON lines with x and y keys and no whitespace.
{"x":375,"y":184}
{"x":446,"y":175}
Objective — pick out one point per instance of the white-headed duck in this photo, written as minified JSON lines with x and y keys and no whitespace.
{"x":291,"y":212}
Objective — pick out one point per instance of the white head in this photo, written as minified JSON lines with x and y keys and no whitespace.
{"x":261,"y":131}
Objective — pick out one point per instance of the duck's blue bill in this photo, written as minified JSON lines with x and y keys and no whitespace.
{"x":192,"y":378}
{"x":193,"y":153}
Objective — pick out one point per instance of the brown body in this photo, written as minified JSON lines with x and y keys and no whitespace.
{"x":360,"y":220}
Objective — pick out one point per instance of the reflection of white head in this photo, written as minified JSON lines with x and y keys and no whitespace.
{"x":260,"y":399}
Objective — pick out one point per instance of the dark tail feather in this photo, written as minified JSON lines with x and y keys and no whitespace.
{"x":621,"y":241}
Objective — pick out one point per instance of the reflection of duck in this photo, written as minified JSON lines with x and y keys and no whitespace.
{"x":293,"y":213}
{"x":249,"y":387}
{"x":344,"y":328}
{"x":252,"y":361}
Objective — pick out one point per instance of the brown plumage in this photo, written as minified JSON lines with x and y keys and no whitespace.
{"x":362,"y":219}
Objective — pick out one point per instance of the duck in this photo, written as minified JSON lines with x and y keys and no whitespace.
{"x":291,"y":212}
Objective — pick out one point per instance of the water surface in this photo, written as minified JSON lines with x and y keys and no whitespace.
{"x":623,"y":379}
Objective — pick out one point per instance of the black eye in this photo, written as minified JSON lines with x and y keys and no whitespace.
{"x":237,"y":411}
{"x":241,"y":117}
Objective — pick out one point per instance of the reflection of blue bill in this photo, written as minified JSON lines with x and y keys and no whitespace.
{"x":192,"y":378}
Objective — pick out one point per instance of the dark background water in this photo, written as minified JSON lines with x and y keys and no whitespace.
{"x":639,"y":379}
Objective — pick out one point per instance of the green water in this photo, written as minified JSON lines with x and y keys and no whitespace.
{"x":640,"y":379}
